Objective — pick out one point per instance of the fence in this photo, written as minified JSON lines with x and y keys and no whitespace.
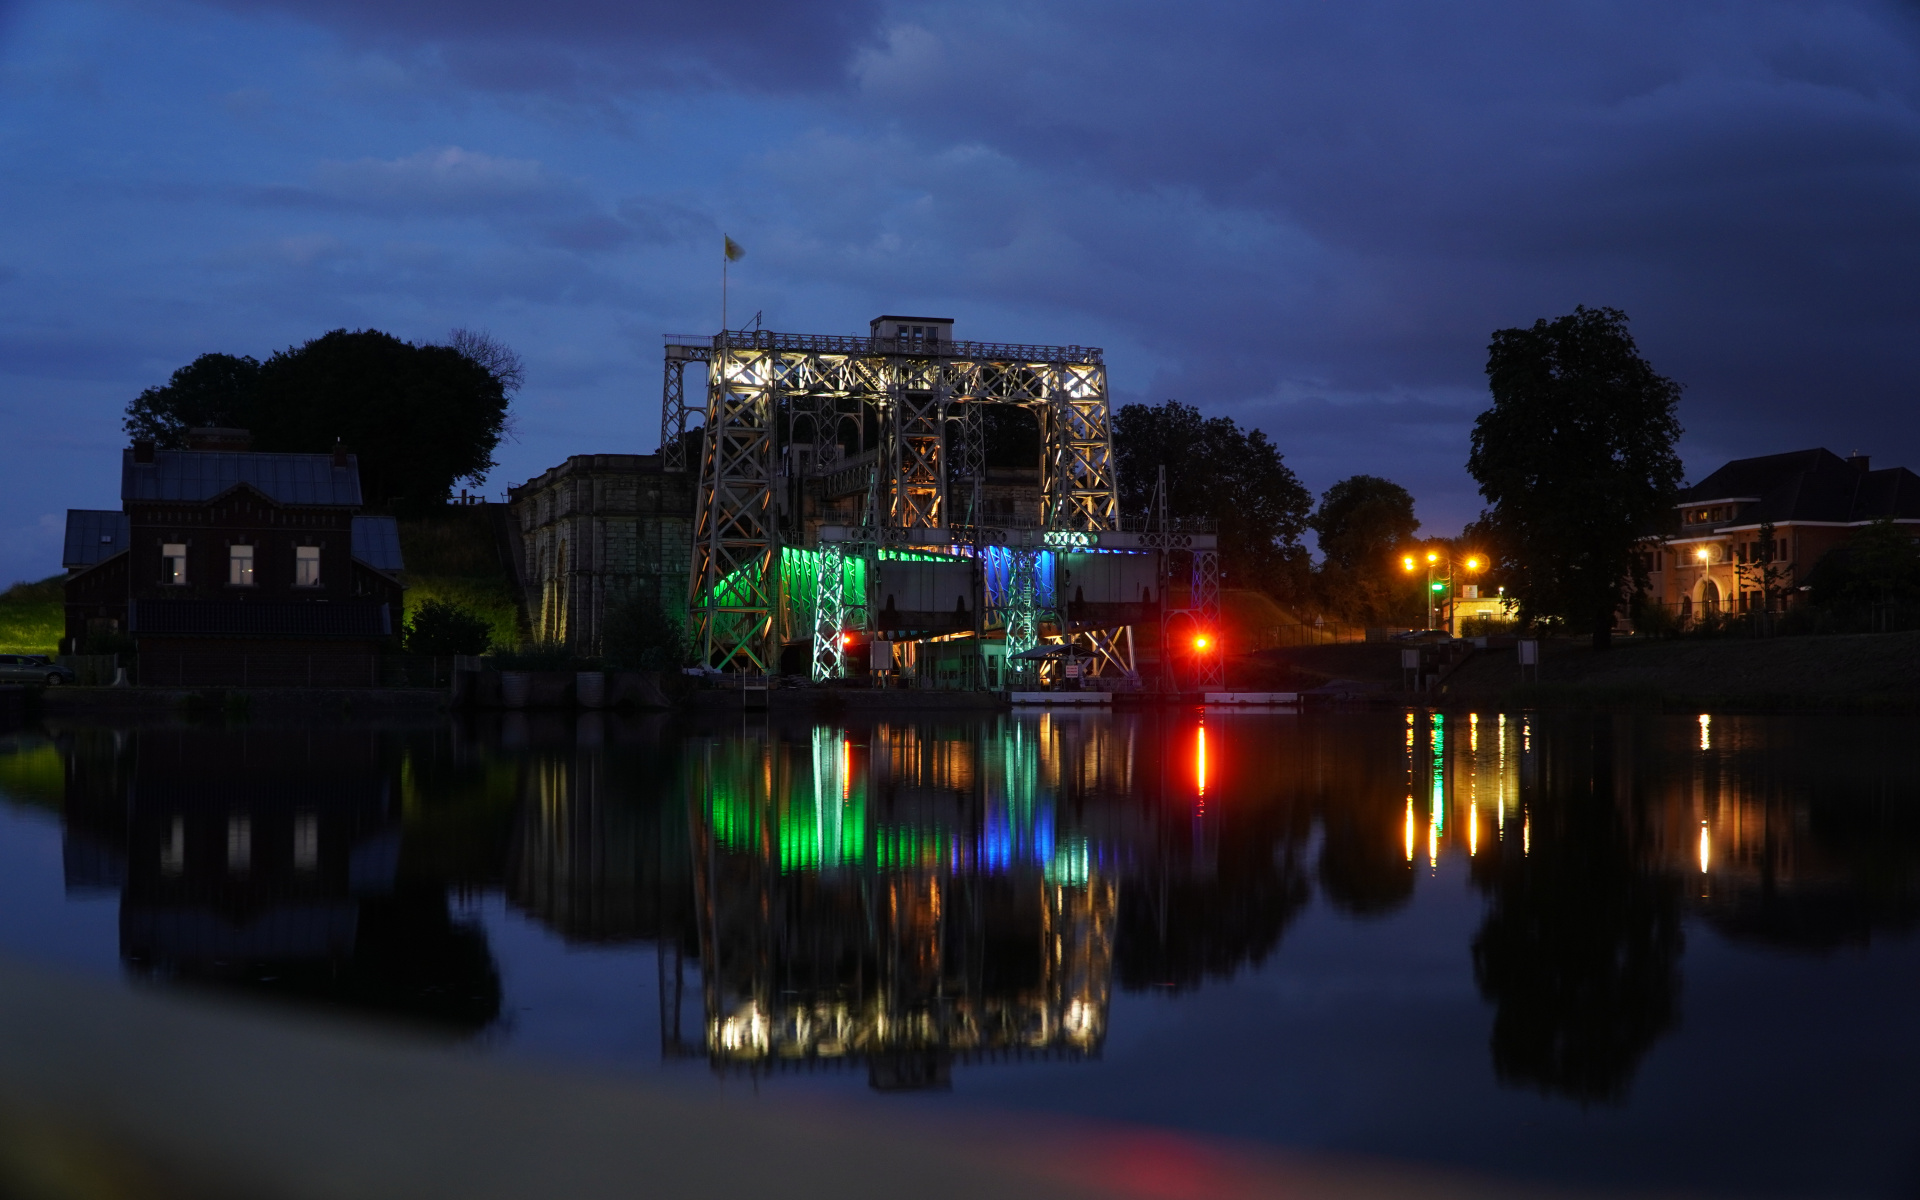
{"x":91,"y":670}
{"x":226,"y":669}
{"x":1661,"y":620}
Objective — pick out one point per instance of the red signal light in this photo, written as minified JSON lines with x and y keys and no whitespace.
{"x":1201,"y":642}
{"x":846,"y":639}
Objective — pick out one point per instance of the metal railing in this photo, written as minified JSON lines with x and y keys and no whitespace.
{"x":833,"y":343}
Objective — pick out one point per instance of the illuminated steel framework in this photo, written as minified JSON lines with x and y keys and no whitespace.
{"x":778,"y":403}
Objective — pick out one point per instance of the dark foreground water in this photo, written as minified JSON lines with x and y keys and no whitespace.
{"x":1649,"y":952}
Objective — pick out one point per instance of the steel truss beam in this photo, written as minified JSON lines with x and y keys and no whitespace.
{"x":1108,"y":652}
{"x":736,"y":534}
{"x":766,"y":391}
{"x":830,"y":614}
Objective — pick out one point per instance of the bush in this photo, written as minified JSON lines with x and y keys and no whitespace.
{"x":542,"y":656}
{"x":640,"y":634}
{"x":33,"y":617}
{"x":441,"y":628}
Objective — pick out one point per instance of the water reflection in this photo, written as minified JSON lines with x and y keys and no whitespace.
{"x":905,"y":898}
{"x":270,"y":860}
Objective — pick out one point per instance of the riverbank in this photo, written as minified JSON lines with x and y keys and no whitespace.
{"x":302,"y":703}
{"x":1860,"y":671}
{"x":147,"y":1094}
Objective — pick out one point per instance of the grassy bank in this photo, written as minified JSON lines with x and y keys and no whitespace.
{"x":33,"y":617}
{"x":453,"y":556}
{"x":1852,"y":671}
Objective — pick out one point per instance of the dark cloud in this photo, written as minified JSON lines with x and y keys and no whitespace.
{"x":571,"y":45}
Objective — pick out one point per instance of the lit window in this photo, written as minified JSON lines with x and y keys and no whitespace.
{"x":239,"y":844}
{"x":306,"y":842}
{"x":240,"y":566}
{"x":173,"y":563}
{"x":306,"y":566}
{"x":173,"y":854}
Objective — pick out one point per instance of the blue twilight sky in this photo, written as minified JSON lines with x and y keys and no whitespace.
{"x":1304,"y":215}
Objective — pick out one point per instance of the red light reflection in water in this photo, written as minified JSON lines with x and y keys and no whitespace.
{"x":1200,"y":765}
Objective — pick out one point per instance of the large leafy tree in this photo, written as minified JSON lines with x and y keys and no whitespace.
{"x":1361,"y":521}
{"x":420,"y":418}
{"x":1576,"y":460}
{"x":1222,"y":475}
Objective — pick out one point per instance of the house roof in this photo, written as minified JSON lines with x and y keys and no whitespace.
{"x":93,"y":537}
{"x":1809,"y":485}
{"x":376,"y":542}
{"x":200,"y":475}
{"x":227,"y":618}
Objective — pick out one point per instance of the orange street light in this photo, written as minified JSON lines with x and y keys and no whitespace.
{"x":1407,"y":562}
{"x":1702,"y":554}
{"x":1473,"y":564}
{"x":1432,"y":557}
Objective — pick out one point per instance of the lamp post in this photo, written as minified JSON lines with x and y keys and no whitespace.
{"x":1472,"y":563}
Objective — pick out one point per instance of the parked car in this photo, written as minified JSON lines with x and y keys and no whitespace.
{"x":33,"y":668}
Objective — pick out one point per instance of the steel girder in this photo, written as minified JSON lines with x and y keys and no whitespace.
{"x":736,"y":533}
{"x":764,"y":388}
{"x":830,"y":614}
{"x":1206,"y":607}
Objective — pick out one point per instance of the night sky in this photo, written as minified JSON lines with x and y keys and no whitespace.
{"x":1307,"y":216}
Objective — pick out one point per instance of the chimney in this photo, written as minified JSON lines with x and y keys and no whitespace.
{"x":1858,"y":461}
{"x":221,"y":438}
{"x":143,"y":450}
{"x":339,"y":453}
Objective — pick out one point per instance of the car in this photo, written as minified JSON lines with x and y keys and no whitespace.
{"x":33,"y":668}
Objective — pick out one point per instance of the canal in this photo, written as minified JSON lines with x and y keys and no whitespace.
{"x":1665,"y":952}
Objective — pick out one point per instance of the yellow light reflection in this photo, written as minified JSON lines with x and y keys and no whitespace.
{"x":1433,"y":845}
{"x":1409,"y":828}
{"x":1526,"y":835}
{"x":846,"y":770}
{"x":1706,"y":848}
{"x":1473,"y":830}
{"x":1706,"y":732}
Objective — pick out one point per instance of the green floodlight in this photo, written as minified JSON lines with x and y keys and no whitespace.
{"x":1439,"y":587}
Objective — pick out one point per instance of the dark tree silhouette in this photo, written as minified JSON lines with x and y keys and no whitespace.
{"x":1361,"y":521}
{"x":1576,"y":461}
{"x":1221,"y":474}
{"x":420,"y":418}
{"x":1580,"y":948}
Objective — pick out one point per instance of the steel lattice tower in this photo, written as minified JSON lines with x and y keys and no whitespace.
{"x":769,"y":393}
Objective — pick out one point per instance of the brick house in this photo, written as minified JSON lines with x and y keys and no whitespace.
{"x":228,"y":567}
{"x":1815,"y":501}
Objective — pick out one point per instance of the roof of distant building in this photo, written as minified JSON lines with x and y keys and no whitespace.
{"x":376,"y":542}
{"x":1810,"y":485}
{"x":93,"y":536}
{"x":200,"y":475}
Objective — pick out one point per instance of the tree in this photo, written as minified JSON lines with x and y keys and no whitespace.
{"x":1760,"y":572}
{"x":1220,"y":474}
{"x":419,"y":418}
{"x":438,"y":627}
{"x":214,"y":389}
{"x":1576,"y":461}
{"x":1361,"y":521}
{"x":1879,"y":565}
{"x":640,"y":633}
{"x":1580,"y":946}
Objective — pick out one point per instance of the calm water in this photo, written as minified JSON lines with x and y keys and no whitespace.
{"x":1638,"y":951}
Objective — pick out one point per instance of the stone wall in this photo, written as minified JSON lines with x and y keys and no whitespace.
{"x":596,"y":531}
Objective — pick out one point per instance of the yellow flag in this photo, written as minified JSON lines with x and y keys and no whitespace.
{"x":733,"y":251}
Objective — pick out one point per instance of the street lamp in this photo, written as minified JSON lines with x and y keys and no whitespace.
{"x":1472,"y":562}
